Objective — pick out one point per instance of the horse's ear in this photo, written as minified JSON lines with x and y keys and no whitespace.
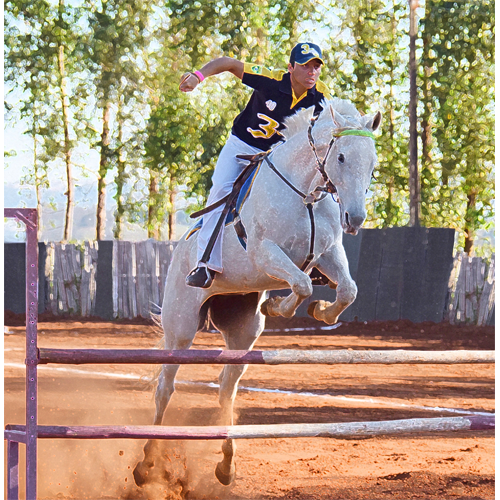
{"x":338,"y":119}
{"x":373,"y":123}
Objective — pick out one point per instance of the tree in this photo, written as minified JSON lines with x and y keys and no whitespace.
{"x":457,"y":176}
{"x":119,"y":31}
{"x":368,"y":66}
{"x":37,"y":61}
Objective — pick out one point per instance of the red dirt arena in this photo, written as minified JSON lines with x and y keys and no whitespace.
{"x":457,"y":465}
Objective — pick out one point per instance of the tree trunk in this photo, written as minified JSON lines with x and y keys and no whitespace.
{"x":70,"y":197}
{"x":153,"y":223}
{"x":120,"y":178}
{"x":469,"y":229}
{"x":427,"y":97}
{"x":103,"y":168}
{"x":414,"y":182}
{"x":38,"y":188}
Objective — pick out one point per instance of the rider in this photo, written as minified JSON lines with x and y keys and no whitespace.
{"x":277,"y":95}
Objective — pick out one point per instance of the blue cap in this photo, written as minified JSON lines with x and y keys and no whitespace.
{"x":302,"y":53}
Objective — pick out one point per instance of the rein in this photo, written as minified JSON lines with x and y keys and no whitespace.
{"x":329,"y":187}
{"x":309,"y":199}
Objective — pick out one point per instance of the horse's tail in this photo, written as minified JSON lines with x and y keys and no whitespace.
{"x":203,"y":315}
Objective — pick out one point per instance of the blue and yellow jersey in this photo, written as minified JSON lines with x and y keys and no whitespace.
{"x":272,"y":100}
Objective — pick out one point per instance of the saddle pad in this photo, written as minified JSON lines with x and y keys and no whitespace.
{"x":242,"y":197}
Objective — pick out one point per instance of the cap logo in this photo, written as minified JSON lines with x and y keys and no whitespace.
{"x":310,"y":50}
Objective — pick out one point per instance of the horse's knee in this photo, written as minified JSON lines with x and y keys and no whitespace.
{"x":303,"y":288}
{"x":346,"y":294}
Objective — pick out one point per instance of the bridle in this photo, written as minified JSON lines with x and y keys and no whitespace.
{"x":320,"y":163}
{"x":310,"y":199}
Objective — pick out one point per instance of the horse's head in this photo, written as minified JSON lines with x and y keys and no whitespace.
{"x":350,"y":165}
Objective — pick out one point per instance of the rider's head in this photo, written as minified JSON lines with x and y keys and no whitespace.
{"x":302,"y":53}
{"x":305,"y":66}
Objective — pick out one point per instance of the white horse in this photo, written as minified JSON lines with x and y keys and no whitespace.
{"x":279,"y":230}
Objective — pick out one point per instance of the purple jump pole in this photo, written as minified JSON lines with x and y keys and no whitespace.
{"x":332,"y":430}
{"x":283,"y":356}
{"x":30,"y":219}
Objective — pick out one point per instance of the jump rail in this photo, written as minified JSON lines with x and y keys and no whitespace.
{"x":285,"y":356}
{"x":342,"y":430}
{"x":29,"y":433}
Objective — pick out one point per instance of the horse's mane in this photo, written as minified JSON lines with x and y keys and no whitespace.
{"x":300,"y":120}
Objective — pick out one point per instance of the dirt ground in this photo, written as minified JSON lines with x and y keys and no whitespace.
{"x":457,"y":465}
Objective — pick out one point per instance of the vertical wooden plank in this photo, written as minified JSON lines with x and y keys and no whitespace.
{"x":62,"y":302}
{"x":140,"y":288}
{"x":452,"y":287}
{"x":52,"y":283}
{"x":132,"y":282}
{"x":155,"y":278}
{"x":487,"y":298}
{"x":85,"y":282}
{"x":93,"y":252}
{"x":121,"y":271}
{"x":152,"y":276}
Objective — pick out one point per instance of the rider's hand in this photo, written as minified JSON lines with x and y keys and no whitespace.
{"x":188,"y":82}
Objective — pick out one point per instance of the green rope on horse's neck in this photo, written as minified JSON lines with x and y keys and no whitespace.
{"x":365,"y":133}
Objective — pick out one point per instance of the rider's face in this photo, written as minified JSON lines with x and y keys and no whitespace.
{"x":305,"y":75}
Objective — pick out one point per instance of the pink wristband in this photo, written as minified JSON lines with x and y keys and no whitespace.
{"x":199,"y":75}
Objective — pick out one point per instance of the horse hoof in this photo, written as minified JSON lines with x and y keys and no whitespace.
{"x":311,"y":307}
{"x":225,"y":478}
{"x":264,"y":308}
{"x":140,"y":474}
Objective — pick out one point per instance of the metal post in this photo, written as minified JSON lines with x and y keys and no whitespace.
{"x":31,"y":351}
{"x":12,"y":470}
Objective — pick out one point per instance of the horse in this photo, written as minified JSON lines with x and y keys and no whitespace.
{"x":309,"y":188}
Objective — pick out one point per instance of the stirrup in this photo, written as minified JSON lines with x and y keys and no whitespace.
{"x":200,"y":277}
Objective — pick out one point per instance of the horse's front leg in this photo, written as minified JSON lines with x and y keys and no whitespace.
{"x":228,"y":380}
{"x":271,"y":259}
{"x":335,"y":266}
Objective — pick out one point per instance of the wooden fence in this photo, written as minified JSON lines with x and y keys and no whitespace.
{"x":140,"y":268}
{"x":70,"y":277}
{"x":472,"y":290}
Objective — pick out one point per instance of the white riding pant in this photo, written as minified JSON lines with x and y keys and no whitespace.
{"x":226,"y":171}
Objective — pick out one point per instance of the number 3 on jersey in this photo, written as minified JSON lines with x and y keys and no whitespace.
{"x":269,"y":127}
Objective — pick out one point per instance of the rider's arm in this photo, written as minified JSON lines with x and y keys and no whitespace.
{"x":220,"y":65}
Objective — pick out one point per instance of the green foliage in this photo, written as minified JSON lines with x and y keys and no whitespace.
{"x":368,"y":67}
{"x":128,"y":55}
{"x":457,"y":178}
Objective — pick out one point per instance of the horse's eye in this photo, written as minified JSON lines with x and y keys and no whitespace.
{"x":341,"y":158}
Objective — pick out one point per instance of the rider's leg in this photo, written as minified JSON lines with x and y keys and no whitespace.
{"x":226,"y":171}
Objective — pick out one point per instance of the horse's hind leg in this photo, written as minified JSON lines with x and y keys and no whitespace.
{"x":239,"y":319}
{"x":182,"y":339}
